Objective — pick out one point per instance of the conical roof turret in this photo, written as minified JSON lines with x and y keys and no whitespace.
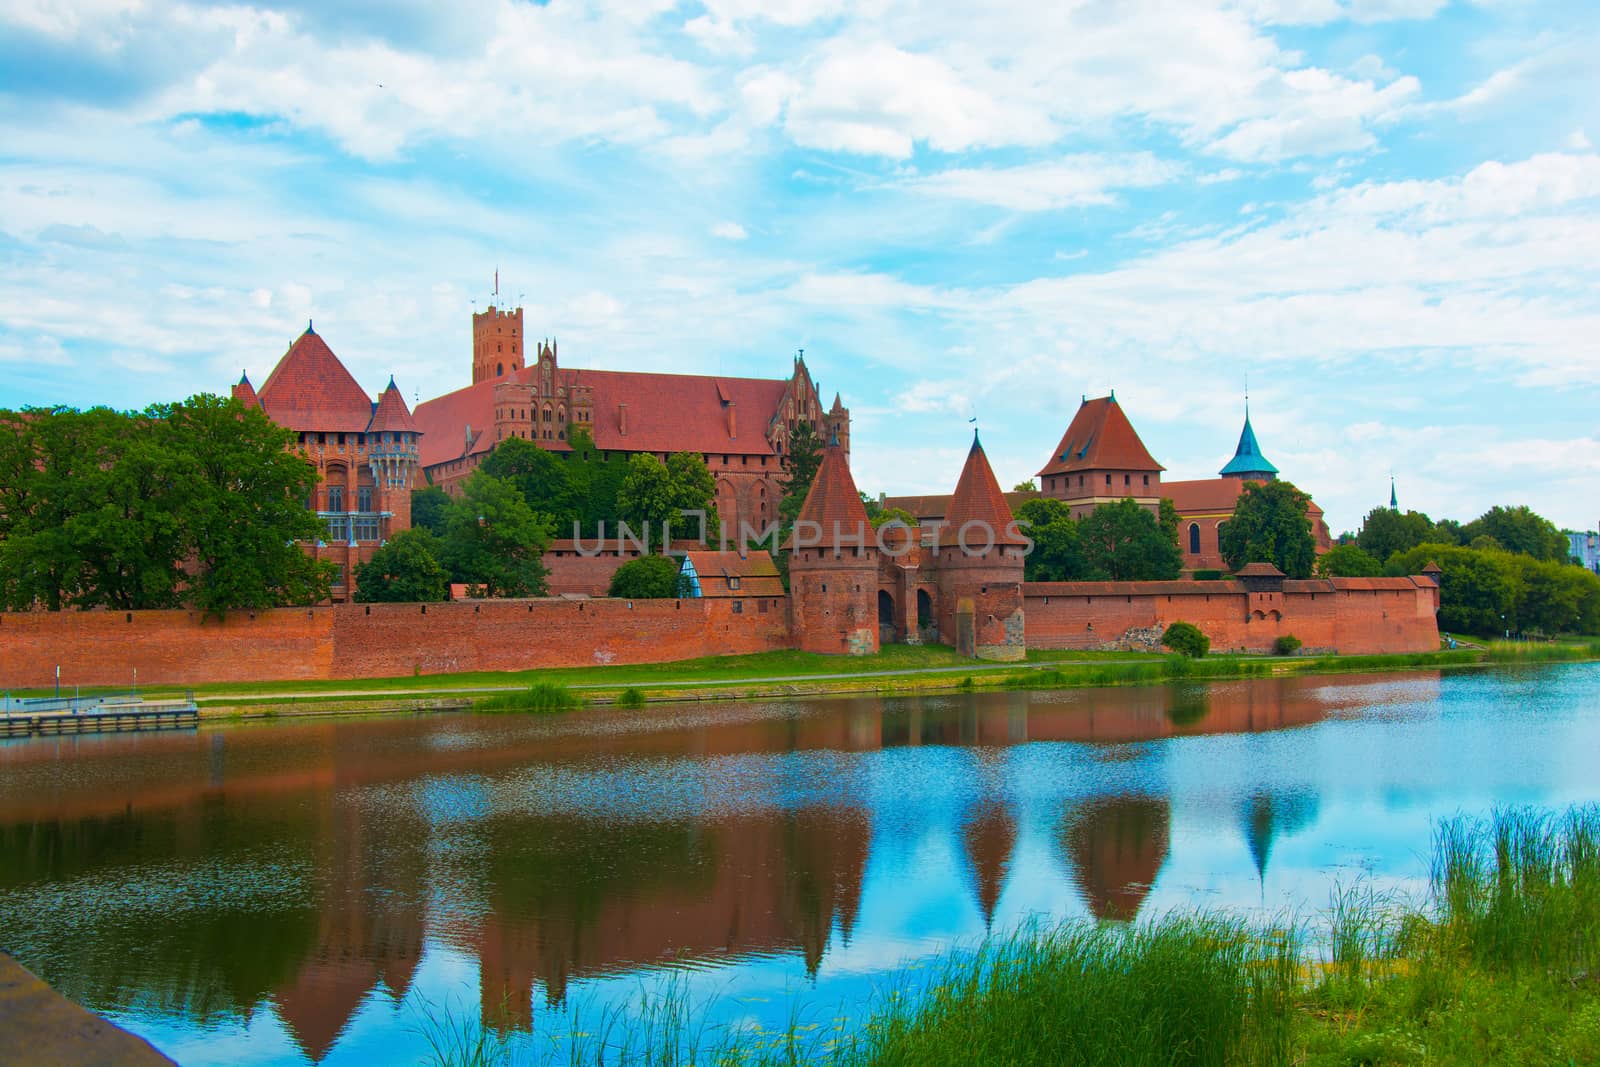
{"x":978,"y":504}
{"x":834,"y":505}
{"x":1247,"y":461}
{"x":392,"y":413}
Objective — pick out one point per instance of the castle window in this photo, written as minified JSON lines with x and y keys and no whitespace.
{"x":335,"y":498}
{"x":499,"y":369}
{"x":364,"y":498}
{"x":1108,"y":481}
{"x":1127,"y":479}
{"x":1146,"y":479}
{"x":322,"y":438}
{"x":341,"y":440}
{"x":1194,"y":538}
{"x":738,"y":607}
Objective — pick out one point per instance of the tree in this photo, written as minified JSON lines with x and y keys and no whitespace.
{"x":428,"y":507}
{"x":1025,"y":487}
{"x":406,"y":570}
{"x":1386,"y":531}
{"x":1269,"y":525}
{"x":1478,"y":592}
{"x":1125,"y":542}
{"x":646,"y":578}
{"x":800,"y":465}
{"x":244,"y":507}
{"x":1519,"y":529}
{"x":1057,"y":555}
{"x":1186,"y":639}
{"x":544,"y":480}
{"x":1347,"y":561}
{"x":494,"y":539}
{"x":883,"y":516}
{"x":654,"y":494}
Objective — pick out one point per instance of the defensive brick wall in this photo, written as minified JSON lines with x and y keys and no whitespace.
{"x":1354,"y":616}
{"x":378,"y":640}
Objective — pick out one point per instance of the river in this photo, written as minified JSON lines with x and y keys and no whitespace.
{"x":308,"y":892}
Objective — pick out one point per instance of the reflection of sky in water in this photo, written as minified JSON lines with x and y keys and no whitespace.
{"x":898,"y":849}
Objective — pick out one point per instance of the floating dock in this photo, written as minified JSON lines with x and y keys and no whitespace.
{"x":27,"y":716}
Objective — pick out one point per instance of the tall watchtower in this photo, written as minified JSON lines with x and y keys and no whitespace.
{"x":496,"y":343}
{"x":833,"y":565}
{"x":980,"y":566}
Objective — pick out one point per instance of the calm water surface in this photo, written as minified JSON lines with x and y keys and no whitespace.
{"x":296,"y":893}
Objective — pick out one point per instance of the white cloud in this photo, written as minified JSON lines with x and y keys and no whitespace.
{"x":729,"y":231}
{"x":1066,"y":182}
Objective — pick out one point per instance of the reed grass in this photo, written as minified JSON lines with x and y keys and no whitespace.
{"x":631,"y":697}
{"x":538,"y":697}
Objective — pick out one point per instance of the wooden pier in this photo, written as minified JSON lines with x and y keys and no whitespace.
{"x":77,"y":716}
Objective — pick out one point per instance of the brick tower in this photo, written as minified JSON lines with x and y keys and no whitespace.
{"x":980,"y":562}
{"x":392,"y":450}
{"x":496,"y":343}
{"x":833,"y":565}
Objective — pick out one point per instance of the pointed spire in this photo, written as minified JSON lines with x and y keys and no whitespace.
{"x":244,"y":377}
{"x":978,"y":501}
{"x":834,"y":504}
{"x":1394,"y":503}
{"x":311,"y":326}
{"x":1248,"y":462}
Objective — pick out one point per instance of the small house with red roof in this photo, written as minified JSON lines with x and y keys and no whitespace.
{"x":366,"y":452}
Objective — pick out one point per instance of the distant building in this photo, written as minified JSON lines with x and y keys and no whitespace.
{"x":1585,"y":548}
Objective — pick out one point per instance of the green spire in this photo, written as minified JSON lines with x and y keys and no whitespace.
{"x":1247,"y":459}
{"x":1394,"y":504}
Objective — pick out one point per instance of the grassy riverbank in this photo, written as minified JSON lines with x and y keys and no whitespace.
{"x":1500,"y":965}
{"x":897,"y":669}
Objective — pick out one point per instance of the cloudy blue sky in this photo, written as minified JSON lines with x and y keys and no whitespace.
{"x":1385,"y":212}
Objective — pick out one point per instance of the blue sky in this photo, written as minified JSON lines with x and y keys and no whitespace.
{"x":1385,"y":212}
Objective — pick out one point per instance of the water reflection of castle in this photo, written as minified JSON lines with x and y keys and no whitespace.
{"x":541,"y":898}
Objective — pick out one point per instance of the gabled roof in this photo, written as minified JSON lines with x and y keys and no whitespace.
{"x":834,"y":504}
{"x":978,"y":499}
{"x":757,"y":575}
{"x":666,"y":413}
{"x":310,"y":389}
{"x":1100,"y":437}
{"x":392,"y":413}
{"x":1247,"y":458}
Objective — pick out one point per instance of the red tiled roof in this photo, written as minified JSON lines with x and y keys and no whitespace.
{"x":310,"y":389}
{"x":1100,"y":438}
{"x":1218,"y":496}
{"x":978,"y":499}
{"x":935,"y":506}
{"x":834,"y":504}
{"x":1258,"y":570}
{"x":1129,"y":588}
{"x":666,"y":413}
{"x":392,"y":413}
{"x":757,"y":574}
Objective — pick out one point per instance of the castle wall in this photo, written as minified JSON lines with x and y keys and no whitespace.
{"x":1346,"y":615}
{"x":377,"y":640}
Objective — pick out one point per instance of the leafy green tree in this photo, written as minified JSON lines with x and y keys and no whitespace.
{"x":1125,"y":542}
{"x":1185,"y":638}
{"x":1479,"y":590}
{"x":494,"y":539}
{"x":1519,"y":529}
{"x":1057,"y":555}
{"x":1269,"y":525}
{"x":1347,"y":561}
{"x":870,"y":503}
{"x":646,"y":578}
{"x":544,"y":479}
{"x":800,"y":466}
{"x":1385,"y":532}
{"x":1445,"y":532}
{"x":882,"y":516}
{"x":1025,"y":487}
{"x":406,"y":570}
{"x":244,"y":508}
{"x":428,"y":507}
{"x":654,"y":494}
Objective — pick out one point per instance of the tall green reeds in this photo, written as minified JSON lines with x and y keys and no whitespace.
{"x":538,"y":697}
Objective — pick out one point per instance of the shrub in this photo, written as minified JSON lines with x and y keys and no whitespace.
{"x":540,"y":696}
{"x":1286,"y":645}
{"x":630,"y":698}
{"x":646,"y":578}
{"x":1207,"y":574}
{"x":1186,"y":639}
